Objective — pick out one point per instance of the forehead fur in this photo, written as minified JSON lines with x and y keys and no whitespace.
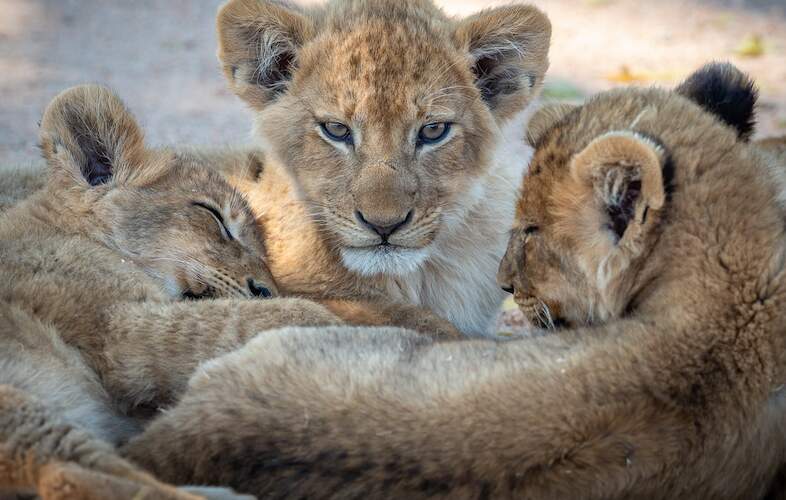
{"x":374,"y":60}
{"x":267,"y":46}
{"x":346,"y":15}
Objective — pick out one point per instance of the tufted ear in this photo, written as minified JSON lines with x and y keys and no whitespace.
{"x":88,"y":133}
{"x":625,"y":173}
{"x":508,"y":49}
{"x":258,"y":44}
{"x":545,"y":118}
{"x":726,"y":92}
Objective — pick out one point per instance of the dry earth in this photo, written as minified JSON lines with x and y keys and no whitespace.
{"x":160,"y":56}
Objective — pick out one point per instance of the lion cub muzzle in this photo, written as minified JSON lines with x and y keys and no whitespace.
{"x":384,"y":232}
{"x":384,"y":200}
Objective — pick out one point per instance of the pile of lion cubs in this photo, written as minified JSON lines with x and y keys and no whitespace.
{"x":311,"y":316}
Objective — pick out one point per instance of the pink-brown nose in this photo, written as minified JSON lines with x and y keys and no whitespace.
{"x":383,"y":230}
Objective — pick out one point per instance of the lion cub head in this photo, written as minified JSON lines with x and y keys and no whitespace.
{"x":592,"y":206}
{"x":385,"y":112}
{"x":180,"y":223}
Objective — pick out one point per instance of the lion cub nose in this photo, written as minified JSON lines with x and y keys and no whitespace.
{"x":258,"y":290}
{"x":384,"y":230}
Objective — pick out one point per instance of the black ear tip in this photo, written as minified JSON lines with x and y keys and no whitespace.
{"x":726,"y":92}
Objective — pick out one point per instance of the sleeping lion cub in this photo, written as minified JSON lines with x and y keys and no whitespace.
{"x":95,"y":267}
{"x":653,"y":232}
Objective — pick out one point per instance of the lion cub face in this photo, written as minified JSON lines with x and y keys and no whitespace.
{"x":591,"y":204}
{"x":384,"y":112}
{"x":580,"y":225}
{"x":180,"y":223}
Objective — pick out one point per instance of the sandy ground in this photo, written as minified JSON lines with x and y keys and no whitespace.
{"x":159,"y":55}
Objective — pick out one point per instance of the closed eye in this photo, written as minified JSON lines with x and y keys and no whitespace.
{"x":225,"y":232}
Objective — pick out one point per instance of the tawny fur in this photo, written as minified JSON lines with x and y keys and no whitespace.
{"x":669,"y":383}
{"x":91,"y":319}
{"x":112,"y":241}
{"x":18,"y":182}
{"x":41,"y":454}
{"x":386,"y":68}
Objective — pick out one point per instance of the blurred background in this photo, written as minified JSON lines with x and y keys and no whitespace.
{"x":159,"y":55}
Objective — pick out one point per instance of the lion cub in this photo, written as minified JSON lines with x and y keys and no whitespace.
{"x":388,"y":131}
{"x":652,"y":232}
{"x":96,"y":268}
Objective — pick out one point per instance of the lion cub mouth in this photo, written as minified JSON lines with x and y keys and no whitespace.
{"x":541,"y":314}
{"x":384,"y":247}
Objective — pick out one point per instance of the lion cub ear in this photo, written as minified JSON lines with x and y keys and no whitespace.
{"x":727,"y":93}
{"x":508,"y":50}
{"x":258,"y":44}
{"x":624,"y":172}
{"x":88,"y":134}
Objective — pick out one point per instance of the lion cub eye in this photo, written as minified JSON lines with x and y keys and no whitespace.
{"x":222,"y":226}
{"x":433,"y":133}
{"x":531,"y":229}
{"x":337,"y":132}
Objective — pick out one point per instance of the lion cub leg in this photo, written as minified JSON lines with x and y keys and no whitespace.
{"x":39,"y":452}
{"x":153,"y":349}
{"x":379,"y":313}
{"x":36,"y":361}
{"x":72,"y":482}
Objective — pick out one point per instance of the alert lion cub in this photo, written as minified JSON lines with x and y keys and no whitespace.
{"x":95,"y":268}
{"x":651,"y":232}
{"x":388,"y":130}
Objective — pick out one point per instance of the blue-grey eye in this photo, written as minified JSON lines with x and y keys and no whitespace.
{"x":433,"y":133}
{"x":337,"y":131}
